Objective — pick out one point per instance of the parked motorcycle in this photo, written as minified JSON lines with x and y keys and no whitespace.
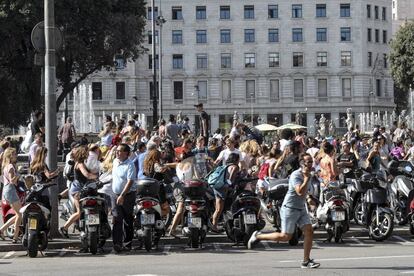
{"x":373,"y":205}
{"x":148,"y":223}
{"x":93,"y":223}
{"x":334,"y":211}
{"x":196,"y":213}
{"x":243,"y":217}
{"x":401,"y":192}
{"x":36,"y":219}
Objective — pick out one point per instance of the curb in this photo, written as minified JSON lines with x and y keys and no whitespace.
{"x":60,"y":244}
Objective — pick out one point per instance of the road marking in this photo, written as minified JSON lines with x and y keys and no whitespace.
{"x":403,"y":241}
{"x":357,"y":241}
{"x":407,"y":272}
{"x":354,"y":258}
{"x":266,"y":245}
{"x":167,"y":249}
{"x":9,"y":254}
{"x":217,"y":246}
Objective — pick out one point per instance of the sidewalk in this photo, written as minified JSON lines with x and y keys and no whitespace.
{"x":74,"y":242}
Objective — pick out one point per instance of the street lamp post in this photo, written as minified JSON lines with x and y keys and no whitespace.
{"x":160,"y":21}
{"x":50,"y":106}
{"x":251,"y":106}
{"x":154,"y":68}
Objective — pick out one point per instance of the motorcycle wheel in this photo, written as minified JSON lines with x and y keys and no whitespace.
{"x":147,"y":237}
{"x":358,"y":214}
{"x":194,"y":238}
{"x":412,"y":225}
{"x":382,"y":230}
{"x":93,"y":242}
{"x":295,"y":238}
{"x":10,"y":230}
{"x":32,"y":244}
{"x":338,"y":234}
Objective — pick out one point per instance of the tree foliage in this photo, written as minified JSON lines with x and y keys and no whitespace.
{"x":402,"y":61}
{"x":94,"y":33}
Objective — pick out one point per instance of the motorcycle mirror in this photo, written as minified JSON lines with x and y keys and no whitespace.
{"x":408,"y":169}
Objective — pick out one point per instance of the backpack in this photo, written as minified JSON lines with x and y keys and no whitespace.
{"x":69,"y":171}
{"x":264,"y":170}
{"x":217,"y":178}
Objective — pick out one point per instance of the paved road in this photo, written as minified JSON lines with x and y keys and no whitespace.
{"x":359,"y":255}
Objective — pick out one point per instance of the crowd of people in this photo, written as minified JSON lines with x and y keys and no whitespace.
{"x":128,"y":152}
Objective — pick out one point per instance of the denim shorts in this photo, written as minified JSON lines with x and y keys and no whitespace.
{"x":292,"y":217}
{"x":222,"y":192}
{"x":10,"y":193}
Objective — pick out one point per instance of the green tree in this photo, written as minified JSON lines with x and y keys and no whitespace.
{"x":402,"y":62}
{"x":94,"y":33}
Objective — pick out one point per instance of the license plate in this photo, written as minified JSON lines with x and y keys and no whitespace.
{"x":250,"y":218}
{"x":147,"y":219}
{"x":32,"y":224}
{"x":93,"y":219}
{"x":338,"y":215}
{"x":194,"y":222}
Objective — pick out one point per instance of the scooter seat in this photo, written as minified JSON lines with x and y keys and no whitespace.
{"x":276,"y":182}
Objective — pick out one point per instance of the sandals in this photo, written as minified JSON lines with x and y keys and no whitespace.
{"x":14,"y":241}
{"x":64,"y":232}
{"x":2,"y":237}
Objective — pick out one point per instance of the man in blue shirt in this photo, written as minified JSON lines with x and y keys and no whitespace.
{"x":124,"y":186}
{"x":293,"y":212}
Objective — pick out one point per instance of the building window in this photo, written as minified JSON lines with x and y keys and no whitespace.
{"x":177,"y":37}
{"x":385,"y":58}
{"x":274,"y":60}
{"x":250,"y":91}
{"x":249,"y":60}
{"x":298,"y":89}
{"x":376,"y":11}
{"x":178,"y":92}
{"x":249,"y":12}
{"x":274,"y":90}
{"x":201,"y":12}
{"x":157,"y":64}
{"x":225,"y":12}
{"x":96,"y":91}
{"x":149,"y":13}
{"x":322,"y":59}
{"x":273,"y":35}
{"x":296,"y":11}
{"x":225,"y":36}
{"x":346,"y":88}
{"x":297,"y":35}
{"x":320,"y":10}
{"x":297,"y":59}
{"x":177,"y":61}
{"x":345,"y":10}
{"x":120,"y":90}
{"x":369,"y":59}
{"x":368,"y":11}
{"x":177,"y":13}
{"x":369,"y":34}
{"x":226,"y":91}
{"x":377,"y":36}
{"x":345,"y":34}
{"x":378,"y":87}
{"x":202,"y":61}
{"x":384,"y":13}
{"x":249,"y":35}
{"x":225,"y":61}
{"x":384,"y":37}
{"x":273,"y":11}
{"x":201,"y":36}
{"x":345,"y":58}
{"x":150,"y":37}
{"x":151,"y":87}
{"x":322,"y":88}
{"x":321,"y":34}
{"x":202,"y":91}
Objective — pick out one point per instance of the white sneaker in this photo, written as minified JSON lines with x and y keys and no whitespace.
{"x":253,"y":240}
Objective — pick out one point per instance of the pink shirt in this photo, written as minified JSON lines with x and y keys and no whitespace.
{"x":6,"y":173}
